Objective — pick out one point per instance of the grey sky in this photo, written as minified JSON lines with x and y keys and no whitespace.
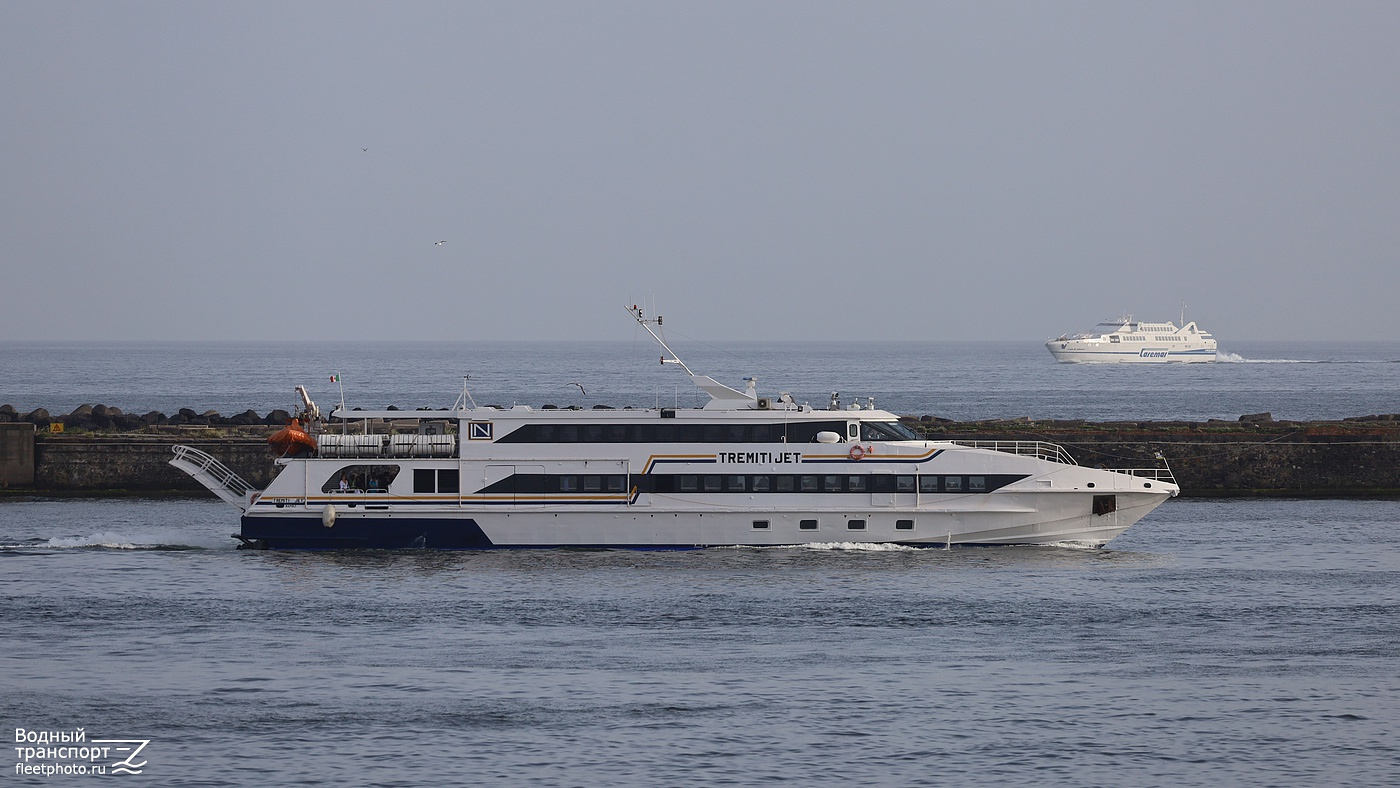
{"x":765,"y":170}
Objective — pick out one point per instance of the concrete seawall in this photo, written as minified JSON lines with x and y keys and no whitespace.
{"x":1347,"y":458}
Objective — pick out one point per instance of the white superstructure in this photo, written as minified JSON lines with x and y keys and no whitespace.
{"x":1125,"y":340}
{"x":742,"y":470}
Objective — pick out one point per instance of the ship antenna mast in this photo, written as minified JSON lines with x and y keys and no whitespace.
{"x":647,"y":323}
{"x":465,"y":396}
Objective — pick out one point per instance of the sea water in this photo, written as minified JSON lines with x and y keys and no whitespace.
{"x":964,"y":380}
{"x":1216,"y":642}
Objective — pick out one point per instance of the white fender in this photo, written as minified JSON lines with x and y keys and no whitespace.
{"x":328,"y":515}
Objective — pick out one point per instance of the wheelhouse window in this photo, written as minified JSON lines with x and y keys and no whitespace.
{"x":977,"y":484}
{"x":952,"y":484}
{"x":887,"y":431}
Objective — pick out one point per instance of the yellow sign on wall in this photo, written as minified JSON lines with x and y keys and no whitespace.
{"x":55,"y":426}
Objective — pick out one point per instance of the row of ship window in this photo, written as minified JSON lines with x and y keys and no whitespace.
{"x":752,"y":483}
{"x":797,"y":432}
{"x":851,"y":525}
{"x":448,"y":480}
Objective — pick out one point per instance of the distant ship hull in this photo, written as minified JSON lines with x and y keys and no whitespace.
{"x":1126,"y":341}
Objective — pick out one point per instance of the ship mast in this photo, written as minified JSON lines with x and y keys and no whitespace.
{"x":722,"y":397}
{"x":647,"y":323}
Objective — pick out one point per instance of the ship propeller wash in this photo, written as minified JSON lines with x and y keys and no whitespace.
{"x":744,"y":469}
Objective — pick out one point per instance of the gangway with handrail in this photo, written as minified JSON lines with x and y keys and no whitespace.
{"x":214,"y":475}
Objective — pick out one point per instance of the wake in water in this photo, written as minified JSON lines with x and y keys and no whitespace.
{"x":111,"y":540}
{"x":1226,"y":357}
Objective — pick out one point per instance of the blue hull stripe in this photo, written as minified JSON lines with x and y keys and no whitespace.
{"x":307,"y":533}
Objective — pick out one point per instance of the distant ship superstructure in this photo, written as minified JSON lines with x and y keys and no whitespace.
{"x":1125,"y":340}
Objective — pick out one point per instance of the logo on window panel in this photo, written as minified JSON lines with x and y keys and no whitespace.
{"x":479,"y":430}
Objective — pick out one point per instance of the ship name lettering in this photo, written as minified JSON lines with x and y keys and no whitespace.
{"x":750,"y":457}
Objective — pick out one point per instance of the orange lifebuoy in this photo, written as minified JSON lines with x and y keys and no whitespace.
{"x":856,"y":452}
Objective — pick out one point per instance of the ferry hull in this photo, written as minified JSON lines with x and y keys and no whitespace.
{"x":1019,"y":518}
{"x":1069,"y":355}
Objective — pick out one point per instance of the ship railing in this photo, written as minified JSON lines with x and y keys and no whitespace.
{"x":214,"y":475}
{"x":1039,"y":449}
{"x":1155,"y":474}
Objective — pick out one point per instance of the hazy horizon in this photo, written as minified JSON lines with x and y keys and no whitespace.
{"x":764,"y":171}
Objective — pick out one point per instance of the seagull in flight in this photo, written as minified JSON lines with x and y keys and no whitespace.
{"x":366,"y":150}
{"x":438,"y":243}
{"x":580,"y":388}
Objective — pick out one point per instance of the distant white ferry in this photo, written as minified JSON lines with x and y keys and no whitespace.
{"x":1127,"y":340}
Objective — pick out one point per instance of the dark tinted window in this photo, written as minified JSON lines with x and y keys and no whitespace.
{"x":449,"y":481}
{"x":424,"y":480}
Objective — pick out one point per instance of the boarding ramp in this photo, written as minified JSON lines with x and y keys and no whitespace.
{"x":214,"y":475}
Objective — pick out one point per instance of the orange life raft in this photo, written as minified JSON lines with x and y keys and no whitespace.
{"x":291,"y":439}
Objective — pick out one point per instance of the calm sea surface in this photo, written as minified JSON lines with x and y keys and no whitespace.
{"x":966,"y":380}
{"x":1217,"y":642}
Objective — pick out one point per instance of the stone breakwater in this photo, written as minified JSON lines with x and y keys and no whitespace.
{"x":1255,"y":455}
{"x":102,"y":451}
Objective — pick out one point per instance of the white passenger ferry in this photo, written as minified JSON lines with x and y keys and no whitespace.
{"x":1125,"y":340}
{"x":741,"y":470}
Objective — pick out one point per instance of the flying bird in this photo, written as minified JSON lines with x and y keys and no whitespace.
{"x":580,"y":388}
{"x":366,"y":150}
{"x":438,"y":243}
